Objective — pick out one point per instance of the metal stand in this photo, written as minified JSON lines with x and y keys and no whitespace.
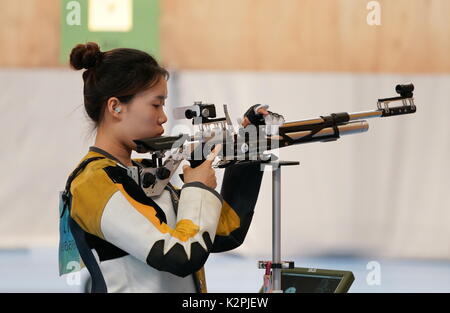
{"x":277,"y":264}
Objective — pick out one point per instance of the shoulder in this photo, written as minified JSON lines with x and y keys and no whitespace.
{"x":94,"y":172}
{"x":91,"y":191}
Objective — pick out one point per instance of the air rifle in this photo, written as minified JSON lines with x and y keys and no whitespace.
{"x":252,"y":143}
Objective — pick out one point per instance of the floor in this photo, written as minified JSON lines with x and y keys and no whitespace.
{"x":35,"y":270}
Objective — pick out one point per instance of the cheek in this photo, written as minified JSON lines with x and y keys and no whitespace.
{"x":139,"y":114}
{"x":143,"y":119}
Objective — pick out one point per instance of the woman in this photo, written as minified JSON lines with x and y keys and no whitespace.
{"x":128,"y":241}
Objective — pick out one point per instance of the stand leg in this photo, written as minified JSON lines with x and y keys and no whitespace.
{"x":276,"y":227}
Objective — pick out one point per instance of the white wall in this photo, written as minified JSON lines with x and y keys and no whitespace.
{"x":382,"y":193}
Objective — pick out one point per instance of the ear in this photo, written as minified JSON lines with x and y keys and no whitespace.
{"x":114,"y":107}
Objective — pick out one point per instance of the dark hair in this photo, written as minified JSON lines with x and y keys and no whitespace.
{"x":117,"y":73}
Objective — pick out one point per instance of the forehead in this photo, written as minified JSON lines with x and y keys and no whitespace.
{"x":157,"y":91}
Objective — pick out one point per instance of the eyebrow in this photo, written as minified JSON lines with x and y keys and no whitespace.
{"x":161,"y":97}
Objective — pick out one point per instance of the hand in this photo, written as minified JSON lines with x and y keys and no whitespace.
{"x":203,"y":173}
{"x":261,"y":111}
{"x":259,"y":115}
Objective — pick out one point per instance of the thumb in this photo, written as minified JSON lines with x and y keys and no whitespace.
{"x":263,"y":111}
{"x":186,"y":167}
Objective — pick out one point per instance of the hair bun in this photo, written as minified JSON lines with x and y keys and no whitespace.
{"x":85,"y":56}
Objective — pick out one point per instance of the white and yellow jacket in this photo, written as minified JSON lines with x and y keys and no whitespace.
{"x":157,"y":244}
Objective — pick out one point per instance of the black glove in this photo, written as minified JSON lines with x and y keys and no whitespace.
{"x":256,"y":118}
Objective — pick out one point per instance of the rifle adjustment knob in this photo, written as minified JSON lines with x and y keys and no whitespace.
{"x":162,"y":173}
{"x":148,"y":179}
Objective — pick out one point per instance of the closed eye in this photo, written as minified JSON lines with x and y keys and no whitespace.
{"x":159,"y":104}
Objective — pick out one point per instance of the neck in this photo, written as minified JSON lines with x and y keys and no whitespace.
{"x":113,"y":147}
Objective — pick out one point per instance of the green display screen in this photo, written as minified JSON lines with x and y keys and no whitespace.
{"x":110,"y":23}
{"x":302,"y":283}
{"x":314,"y":280}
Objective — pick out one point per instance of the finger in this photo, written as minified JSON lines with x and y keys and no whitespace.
{"x":216,"y":151}
{"x":212,"y":156}
{"x":263,"y":111}
{"x":245,"y":122}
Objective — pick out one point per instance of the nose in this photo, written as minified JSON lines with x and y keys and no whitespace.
{"x":162,"y":118}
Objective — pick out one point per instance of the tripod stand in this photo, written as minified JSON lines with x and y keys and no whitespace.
{"x":276,"y":264}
